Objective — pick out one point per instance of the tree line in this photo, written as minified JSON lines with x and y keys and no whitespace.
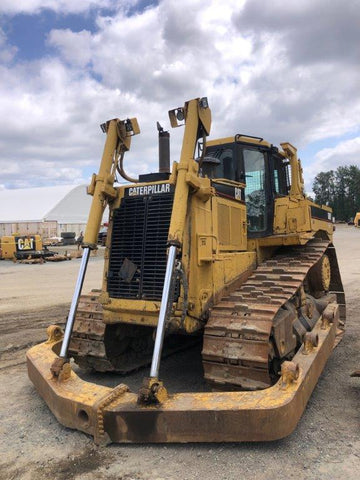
{"x":340,"y":189}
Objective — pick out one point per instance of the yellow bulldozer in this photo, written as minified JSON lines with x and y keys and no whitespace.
{"x":357,"y":220}
{"x":224,"y":248}
{"x":19,"y":247}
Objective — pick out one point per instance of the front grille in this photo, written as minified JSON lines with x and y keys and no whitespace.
{"x":139,"y":238}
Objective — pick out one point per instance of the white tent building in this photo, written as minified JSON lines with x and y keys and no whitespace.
{"x":47,"y":211}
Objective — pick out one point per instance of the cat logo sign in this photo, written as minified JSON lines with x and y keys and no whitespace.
{"x":24,"y":243}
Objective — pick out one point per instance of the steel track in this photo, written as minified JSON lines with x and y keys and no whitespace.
{"x":237,"y":348}
{"x":87,"y":345}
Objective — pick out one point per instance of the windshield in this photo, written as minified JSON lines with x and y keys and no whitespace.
{"x":219,"y":162}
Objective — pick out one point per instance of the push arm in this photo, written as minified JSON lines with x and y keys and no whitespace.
{"x":118,"y":139}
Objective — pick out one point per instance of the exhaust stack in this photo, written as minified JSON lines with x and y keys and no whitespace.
{"x":164,"y":150}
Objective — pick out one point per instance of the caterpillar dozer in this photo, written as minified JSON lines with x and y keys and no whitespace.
{"x":357,"y":220}
{"x":225,"y":248}
{"x":22,"y":247}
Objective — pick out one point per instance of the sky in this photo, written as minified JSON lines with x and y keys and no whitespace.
{"x":285,"y":71}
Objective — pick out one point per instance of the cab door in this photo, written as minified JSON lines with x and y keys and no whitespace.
{"x":258,"y":192}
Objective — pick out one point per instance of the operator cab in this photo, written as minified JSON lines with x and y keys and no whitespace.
{"x":260,"y":166}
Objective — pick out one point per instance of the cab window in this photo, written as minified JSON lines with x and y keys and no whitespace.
{"x":220,"y":162}
{"x":281,"y":180}
{"x":255,"y":197}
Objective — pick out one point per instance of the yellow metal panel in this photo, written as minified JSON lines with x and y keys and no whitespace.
{"x":242,"y":139}
{"x":237,"y":233}
{"x":19,"y":243}
{"x":204,"y":246}
{"x":291,"y":216}
{"x":229,"y":219}
{"x":139,"y":312}
{"x":228,"y":267}
{"x":223,"y":225}
{"x":199,"y":246}
{"x":327,"y":227}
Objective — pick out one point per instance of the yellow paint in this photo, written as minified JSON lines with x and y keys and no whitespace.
{"x":76,"y":403}
{"x":357,"y":220}
{"x":9,"y":245}
{"x":211,"y":230}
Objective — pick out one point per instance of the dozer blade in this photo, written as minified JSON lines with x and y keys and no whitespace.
{"x":113,"y":414}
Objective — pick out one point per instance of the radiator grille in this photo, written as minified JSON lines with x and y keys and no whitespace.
{"x":140,"y":233}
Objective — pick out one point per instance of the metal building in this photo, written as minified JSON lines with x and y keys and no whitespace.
{"x":47,"y":211}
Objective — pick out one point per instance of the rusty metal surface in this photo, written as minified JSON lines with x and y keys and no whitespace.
{"x":126,"y":349}
{"x":337,"y":288}
{"x":236,"y":341}
{"x":87,"y":340}
{"x":120,"y":348}
{"x":114,"y":415}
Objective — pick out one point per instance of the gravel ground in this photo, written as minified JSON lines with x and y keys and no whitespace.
{"x":33,"y":445}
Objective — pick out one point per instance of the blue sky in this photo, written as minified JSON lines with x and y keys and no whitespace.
{"x":28,"y":32}
{"x":286,"y":72}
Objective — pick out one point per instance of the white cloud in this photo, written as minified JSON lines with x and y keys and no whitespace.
{"x":344,"y":153}
{"x":264,"y":74}
{"x":348,"y":151}
{"x":65,"y":40}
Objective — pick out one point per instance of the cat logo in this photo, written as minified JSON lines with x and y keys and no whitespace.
{"x":238,"y":193}
{"x":149,"y":189}
{"x":25,"y":243}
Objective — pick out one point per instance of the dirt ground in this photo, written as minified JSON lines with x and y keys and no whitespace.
{"x":34,"y":446}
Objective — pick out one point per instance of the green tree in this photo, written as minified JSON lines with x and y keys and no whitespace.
{"x":324,"y":188}
{"x":354,"y":189}
{"x":340,"y":190}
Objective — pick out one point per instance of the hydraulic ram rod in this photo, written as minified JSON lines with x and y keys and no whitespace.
{"x":71,"y":318}
{"x":165,"y":299}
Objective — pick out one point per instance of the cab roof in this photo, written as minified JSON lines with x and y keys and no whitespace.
{"x":255,"y":141}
